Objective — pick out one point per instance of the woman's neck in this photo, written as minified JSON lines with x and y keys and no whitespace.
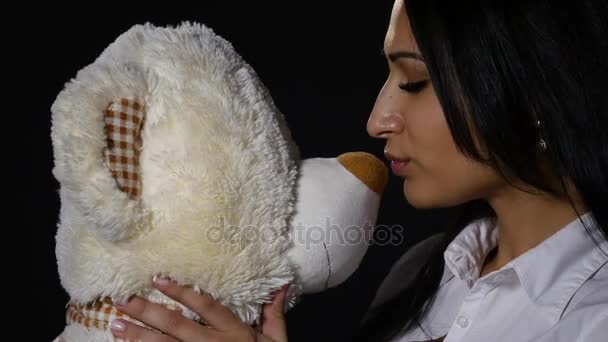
{"x":524,"y":221}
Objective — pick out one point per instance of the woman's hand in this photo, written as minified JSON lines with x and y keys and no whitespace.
{"x":223,"y":325}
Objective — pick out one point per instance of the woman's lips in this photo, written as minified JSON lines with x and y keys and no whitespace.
{"x":399,"y":166}
{"x":399,"y":162}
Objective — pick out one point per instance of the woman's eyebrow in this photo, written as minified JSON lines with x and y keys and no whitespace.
{"x":393,"y":56}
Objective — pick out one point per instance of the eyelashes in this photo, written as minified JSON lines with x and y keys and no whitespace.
{"x":413,"y":87}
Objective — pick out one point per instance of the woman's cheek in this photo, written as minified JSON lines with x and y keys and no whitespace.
{"x":446,"y":182}
{"x":425,"y":190}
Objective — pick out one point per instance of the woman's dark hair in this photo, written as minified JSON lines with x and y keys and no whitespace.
{"x":499,"y":67}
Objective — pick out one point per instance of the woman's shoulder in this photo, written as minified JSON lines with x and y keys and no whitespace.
{"x":404,"y":270}
{"x":586,"y":317}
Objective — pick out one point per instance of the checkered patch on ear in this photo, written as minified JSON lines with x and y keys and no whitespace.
{"x":123,"y":124}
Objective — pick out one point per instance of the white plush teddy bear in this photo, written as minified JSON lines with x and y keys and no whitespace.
{"x":172,"y":159}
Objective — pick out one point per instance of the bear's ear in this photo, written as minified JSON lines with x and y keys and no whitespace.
{"x":98,"y":125}
{"x":123,"y":121}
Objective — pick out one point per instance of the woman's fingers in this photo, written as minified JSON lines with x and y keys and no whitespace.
{"x":170,"y":322}
{"x":211,"y":311}
{"x":132,"y":332}
{"x":223,"y":325}
{"x":273,"y":324}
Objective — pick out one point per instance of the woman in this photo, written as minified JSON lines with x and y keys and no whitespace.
{"x":496,"y":105}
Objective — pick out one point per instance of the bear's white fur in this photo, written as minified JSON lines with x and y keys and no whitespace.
{"x":233,"y":164}
{"x":225,"y":199}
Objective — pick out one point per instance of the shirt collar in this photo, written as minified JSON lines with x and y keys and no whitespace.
{"x":550,"y":273}
{"x":465,"y":255}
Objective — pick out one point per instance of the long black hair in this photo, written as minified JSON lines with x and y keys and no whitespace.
{"x":500,"y":68}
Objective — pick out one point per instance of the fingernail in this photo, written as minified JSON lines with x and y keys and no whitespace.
{"x":161,"y":281}
{"x":118,"y":325}
{"x":291,"y":291}
{"x":288,"y":300}
{"x":121,"y":301}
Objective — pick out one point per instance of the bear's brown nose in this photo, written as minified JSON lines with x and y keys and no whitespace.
{"x":367,"y":168}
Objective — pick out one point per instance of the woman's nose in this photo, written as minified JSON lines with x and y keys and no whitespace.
{"x":385,"y":118}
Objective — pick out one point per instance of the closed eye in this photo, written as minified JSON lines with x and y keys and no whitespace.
{"x":413,"y":87}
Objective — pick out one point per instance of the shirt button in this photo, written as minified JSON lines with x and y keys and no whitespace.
{"x":462,"y":322}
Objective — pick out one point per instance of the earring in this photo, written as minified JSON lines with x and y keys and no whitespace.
{"x":541,"y":145}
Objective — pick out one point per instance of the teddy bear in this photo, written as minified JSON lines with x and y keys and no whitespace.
{"x":172,"y":159}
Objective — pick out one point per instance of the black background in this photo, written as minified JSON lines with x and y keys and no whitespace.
{"x":323,"y":68}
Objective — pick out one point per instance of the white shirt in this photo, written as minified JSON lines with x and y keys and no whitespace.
{"x":557,"y":291}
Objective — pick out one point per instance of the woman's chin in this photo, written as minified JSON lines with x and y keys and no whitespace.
{"x":420,"y":197}
{"x":425,"y":196}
